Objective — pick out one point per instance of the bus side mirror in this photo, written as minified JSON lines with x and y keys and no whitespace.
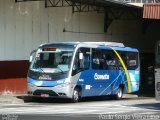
{"x":80,"y":56}
{"x":31,"y":58}
{"x":31,"y":55}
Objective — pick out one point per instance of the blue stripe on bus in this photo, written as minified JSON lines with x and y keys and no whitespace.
{"x":44,"y":83}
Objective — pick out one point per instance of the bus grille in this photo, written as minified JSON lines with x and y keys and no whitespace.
{"x":50,"y":92}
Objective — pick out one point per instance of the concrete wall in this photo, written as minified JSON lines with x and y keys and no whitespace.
{"x":25,"y":25}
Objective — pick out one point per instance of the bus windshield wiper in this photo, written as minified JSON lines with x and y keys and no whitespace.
{"x":42,"y":70}
{"x":60,"y":69}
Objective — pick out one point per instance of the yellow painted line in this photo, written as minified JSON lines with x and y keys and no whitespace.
{"x":125,"y":69}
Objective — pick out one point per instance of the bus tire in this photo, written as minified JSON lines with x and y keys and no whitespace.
{"x":119,"y":94}
{"x":76,"y":95}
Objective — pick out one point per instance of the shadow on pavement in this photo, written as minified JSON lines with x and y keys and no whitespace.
{"x":87,"y":99}
{"x":146,"y":94}
{"x":43,"y":100}
{"x":153,"y":106}
{"x":62,"y":100}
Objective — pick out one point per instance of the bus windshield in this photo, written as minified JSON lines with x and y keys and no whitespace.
{"x":52,"y":60}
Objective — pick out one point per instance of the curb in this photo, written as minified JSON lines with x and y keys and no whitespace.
{"x":11,"y":99}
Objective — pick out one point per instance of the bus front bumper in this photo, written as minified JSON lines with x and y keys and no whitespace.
{"x":59,"y":91}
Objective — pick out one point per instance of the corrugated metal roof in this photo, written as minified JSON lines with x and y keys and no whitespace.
{"x":151,"y":11}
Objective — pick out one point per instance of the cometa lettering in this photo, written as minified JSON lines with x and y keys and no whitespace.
{"x":101,"y":77}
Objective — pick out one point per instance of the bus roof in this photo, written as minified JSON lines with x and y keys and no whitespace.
{"x":102,"y":45}
{"x":60,"y":43}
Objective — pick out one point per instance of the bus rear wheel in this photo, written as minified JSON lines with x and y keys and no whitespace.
{"x":119,"y":94}
{"x":76,"y":95}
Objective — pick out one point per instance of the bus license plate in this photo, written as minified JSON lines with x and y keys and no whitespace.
{"x":44,"y":95}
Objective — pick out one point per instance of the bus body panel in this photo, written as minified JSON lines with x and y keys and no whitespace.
{"x":92,"y":85}
{"x":135,"y":79}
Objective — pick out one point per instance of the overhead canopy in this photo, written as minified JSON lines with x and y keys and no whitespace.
{"x":108,"y":3}
{"x":100,"y":3}
{"x":119,"y":4}
{"x":151,"y":11}
{"x":113,"y":9}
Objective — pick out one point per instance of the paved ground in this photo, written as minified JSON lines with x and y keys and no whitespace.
{"x":90,"y":108}
{"x":16,"y":99}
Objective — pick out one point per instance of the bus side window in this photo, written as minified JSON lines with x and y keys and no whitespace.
{"x":104,"y":60}
{"x":132,"y":61}
{"x":96,"y":63}
{"x":112,"y":61}
{"x":81,"y":64}
{"x":95,"y":59}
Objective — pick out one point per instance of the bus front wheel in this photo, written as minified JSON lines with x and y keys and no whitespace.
{"x":76,"y":95}
{"x":119,"y":94}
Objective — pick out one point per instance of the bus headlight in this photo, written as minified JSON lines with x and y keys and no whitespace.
{"x":67,"y":80}
{"x":31,"y":85}
{"x":61,"y":86}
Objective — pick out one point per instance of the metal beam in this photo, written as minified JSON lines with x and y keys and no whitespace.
{"x":139,"y":1}
{"x":78,"y":7}
{"x":57,"y":3}
{"x":27,"y":0}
